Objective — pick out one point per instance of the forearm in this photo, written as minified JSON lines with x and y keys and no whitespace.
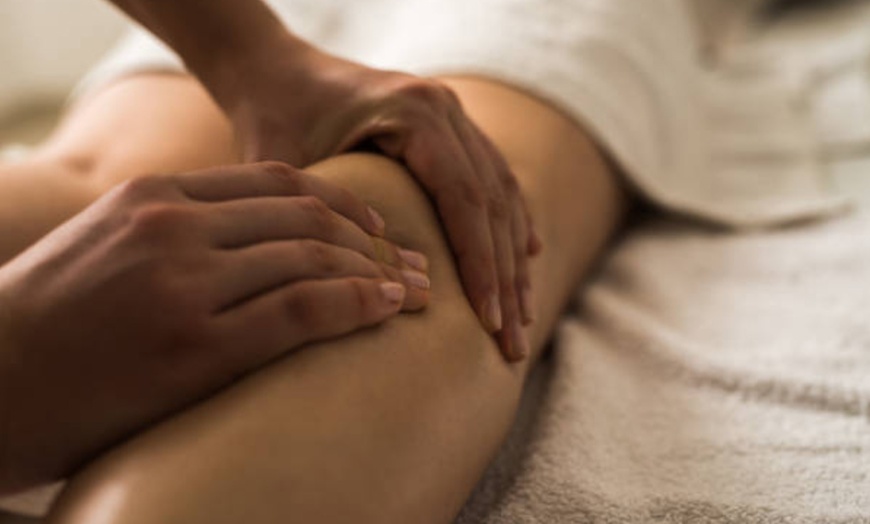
{"x":205,"y":32}
{"x":218,"y":40}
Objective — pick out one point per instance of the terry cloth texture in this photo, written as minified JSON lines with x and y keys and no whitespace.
{"x":728,"y":143}
{"x":704,"y":377}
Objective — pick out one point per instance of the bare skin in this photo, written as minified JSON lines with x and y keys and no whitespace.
{"x":391,"y":425}
{"x":199,"y":278}
{"x":249,"y":62}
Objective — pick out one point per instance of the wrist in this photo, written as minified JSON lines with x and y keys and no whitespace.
{"x":234,"y":71}
{"x":277,"y":89}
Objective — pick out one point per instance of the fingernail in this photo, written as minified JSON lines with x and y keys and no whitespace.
{"x":417,"y":279}
{"x":521,"y":344}
{"x":414,"y":259}
{"x":492,"y":314}
{"x":378,"y":221}
{"x":393,"y":292}
{"x":527,"y":303}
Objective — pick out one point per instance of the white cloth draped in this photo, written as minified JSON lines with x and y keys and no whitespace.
{"x":705,"y":375}
{"x":726,"y":142}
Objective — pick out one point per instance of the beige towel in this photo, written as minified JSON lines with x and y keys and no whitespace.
{"x":705,"y":377}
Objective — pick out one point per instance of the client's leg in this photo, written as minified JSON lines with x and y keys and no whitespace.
{"x":135,"y":126}
{"x":390,"y":425}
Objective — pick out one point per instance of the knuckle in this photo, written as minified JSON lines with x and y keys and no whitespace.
{"x":360,"y":296}
{"x":160,"y":221}
{"x":286,"y":175}
{"x":277,"y":169}
{"x":312,"y":205}
{"x":428,"y":92}
{"x":318,"y":212}
{"x":322,"y":256}
{"x":145,"y":187}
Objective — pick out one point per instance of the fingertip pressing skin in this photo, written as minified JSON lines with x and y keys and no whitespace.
{"x":490,"y":313}
{"x":414,"y":259}
{"x":416,"y":279}
{"x":393,"y":293}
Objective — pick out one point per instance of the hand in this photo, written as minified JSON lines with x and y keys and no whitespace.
{"x":290,"y":102}
{"x":170,"y":287}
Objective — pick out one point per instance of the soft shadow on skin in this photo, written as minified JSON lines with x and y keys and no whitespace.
{"x":511,"y":460}
{"x":8,"y":518}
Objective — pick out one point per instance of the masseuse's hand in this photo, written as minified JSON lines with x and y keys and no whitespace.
{"x":172,"y":286}
{"x":291,"y":102}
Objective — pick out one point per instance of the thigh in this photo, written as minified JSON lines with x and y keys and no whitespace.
{"x":136,"y":125}
{"x":142,"y":124}
{"x":394,"y":424}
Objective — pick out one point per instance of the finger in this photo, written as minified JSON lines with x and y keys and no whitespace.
{"x":522,"y":275}
{"x":303,"y":312}
{"x":512,"y":338}
{"x":440,"y":164}
{"x":533,"y":241}
{"x":502,"y":212}
{"x":246,"y":273}
{"x":240,"y":223}
{"x":523,"y":239}
{"x":274,"y":179}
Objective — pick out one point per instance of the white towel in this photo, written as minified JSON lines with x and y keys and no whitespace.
{"x":720,"y":142}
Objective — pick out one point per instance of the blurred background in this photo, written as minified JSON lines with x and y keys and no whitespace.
{"x":45,"y":48}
